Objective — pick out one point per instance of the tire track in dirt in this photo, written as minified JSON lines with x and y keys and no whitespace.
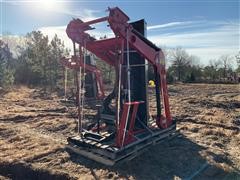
{"x":210,"y":134}
{"x":16,"y":138}
{"x":33,"y":144}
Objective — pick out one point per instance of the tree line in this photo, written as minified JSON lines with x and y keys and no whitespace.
{"x":37,"y":62}
{"x":187,"y":68}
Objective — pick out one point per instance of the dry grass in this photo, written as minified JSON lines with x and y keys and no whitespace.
{"x":33,"y":133}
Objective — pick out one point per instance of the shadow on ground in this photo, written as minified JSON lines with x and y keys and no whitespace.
{"x":21,"y":170}
{"x":179,"y":157}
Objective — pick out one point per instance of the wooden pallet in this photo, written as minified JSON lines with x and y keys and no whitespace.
{"x":107,"y":153}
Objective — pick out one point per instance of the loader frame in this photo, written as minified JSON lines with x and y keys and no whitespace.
{"x":130,"y":133}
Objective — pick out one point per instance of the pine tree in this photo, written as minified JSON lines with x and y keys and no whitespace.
{"x":6,"y":66}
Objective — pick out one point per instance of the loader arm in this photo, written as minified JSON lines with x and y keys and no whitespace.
{"x":106,"y":49}
{"x":73,"y":63}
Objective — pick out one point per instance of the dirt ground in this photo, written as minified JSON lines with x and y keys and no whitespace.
{"x":33,"y":132}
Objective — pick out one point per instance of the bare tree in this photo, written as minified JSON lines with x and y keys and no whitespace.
{"x":180,"y":61}
{"x":211,"y":70}
{"x":194,"y":60}
{"x":215,"y":63}
{"x":237,"y":58}
{"x":226,"y":61}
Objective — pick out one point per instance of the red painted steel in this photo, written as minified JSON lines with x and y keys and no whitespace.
{"x":122,"y":124}
{"x":75,"y":63}
{"x":129,"y":134}
{"x":108,"y":50}
{"x":105,"y":49}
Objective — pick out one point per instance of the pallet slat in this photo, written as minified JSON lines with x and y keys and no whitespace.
{"x":109,"y":155}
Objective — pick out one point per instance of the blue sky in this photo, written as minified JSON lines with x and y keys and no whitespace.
{"x":207,"y":29}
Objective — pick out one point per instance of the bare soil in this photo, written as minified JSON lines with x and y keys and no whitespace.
{"x":34,"y":128}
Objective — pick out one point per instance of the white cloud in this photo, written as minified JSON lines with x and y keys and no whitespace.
{"x":205,"y":43}
{"x":172,"y":24}
{"x":206,"y":54}
{"x":85,"y":14}
{"x":61,"y":33}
